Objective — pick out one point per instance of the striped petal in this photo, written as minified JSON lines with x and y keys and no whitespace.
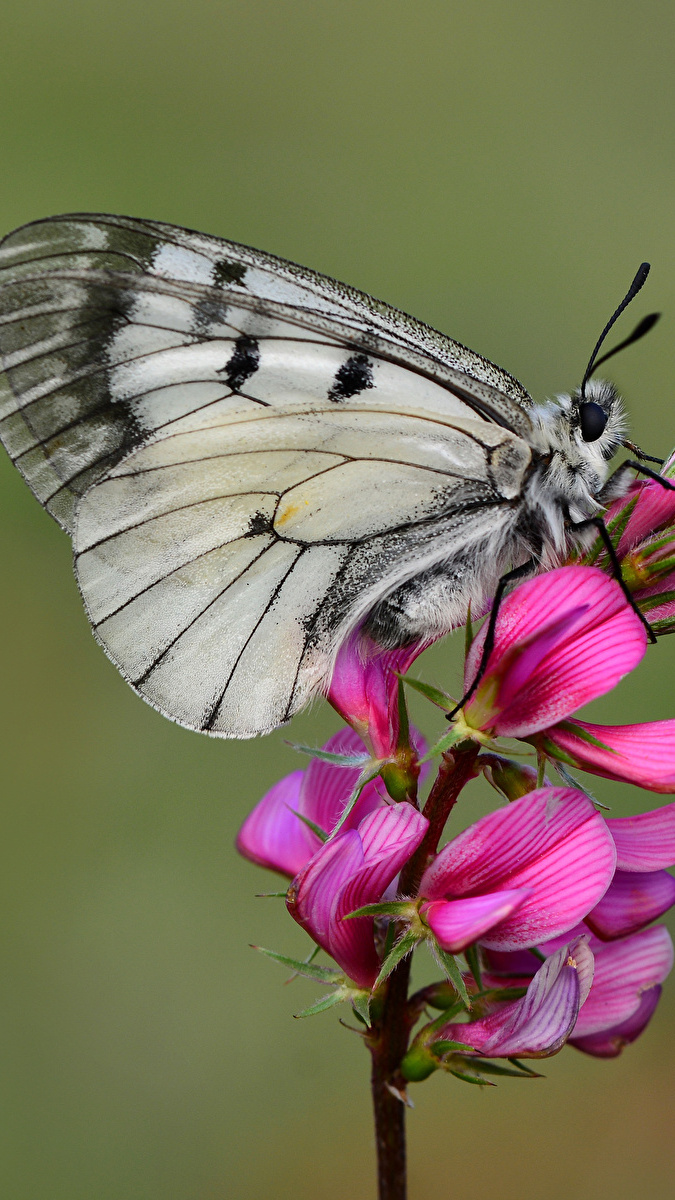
{"x":643,"y":754}
{"x":562,"y":639}
{"x":632,"y":900}
{"x":457,"y":923}
{"x":610,"y":1042}
{"x":624,"y":970}
{"x":645,"y":842}
{"x":540,"y":1023}
{"x":272,"y":835}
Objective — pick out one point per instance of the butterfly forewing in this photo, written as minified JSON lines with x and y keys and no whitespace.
{"x":250,"y":454}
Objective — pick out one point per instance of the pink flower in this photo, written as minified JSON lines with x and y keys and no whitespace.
{"x":561,"y":640}
{"x":353,"y":869}
{"x":275,"y":835}
{"x":364,"y":690}
{"x":564,"y":639}
{"x":540,"y":1023}
{"x":642,"y":889}
{"x":643,"y":527}
{"x":520,"y":875}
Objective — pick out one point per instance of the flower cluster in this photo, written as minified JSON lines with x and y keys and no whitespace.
{"x":550,"y":903}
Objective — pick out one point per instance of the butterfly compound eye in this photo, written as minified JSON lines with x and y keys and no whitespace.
{"x":593,"y":420}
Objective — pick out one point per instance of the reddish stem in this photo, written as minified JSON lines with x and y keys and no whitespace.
{"x":388,"y":1039}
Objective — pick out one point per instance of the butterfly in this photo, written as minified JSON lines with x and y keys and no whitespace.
{"x":254,"y":461}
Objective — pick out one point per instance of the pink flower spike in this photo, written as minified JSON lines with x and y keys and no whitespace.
{"x":364,"y":690}
{"x":609,"y":1043}
{"x":540,"y":1023}
{"x":633,"y":899}
{"x":643,"y":754}
{"x":457,"y":923}
{"x":624,"y":970}
{"x":562,"y":639}
{"x":551,"y":843}
{"x":349,"y":871}
{"x":645,"y":842}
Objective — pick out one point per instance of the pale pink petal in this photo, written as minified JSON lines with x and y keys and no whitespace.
{"x":610,"y":1042}
{"x":598,"y":639}
{"x":645,"y":842}
{"x":388,"y":837}
{"x":643,"y":754}
{"x":624,"y":970}
{"x":457,"y":923}
{"x":540,"y":1023}
{"x":632,"y":900}
{"x":272,"y":835}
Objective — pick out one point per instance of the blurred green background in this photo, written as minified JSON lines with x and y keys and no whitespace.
{"x":498,"y":169}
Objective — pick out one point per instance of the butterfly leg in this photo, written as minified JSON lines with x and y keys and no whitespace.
{"x":598,"y":524}
{"x":510,"y":577}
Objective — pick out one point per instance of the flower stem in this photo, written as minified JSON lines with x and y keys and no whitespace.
{"x":388,"y":1038}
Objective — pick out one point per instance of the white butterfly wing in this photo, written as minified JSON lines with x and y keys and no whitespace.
{"x":221,"y":565}
{"x":111,"y":329}
{"x":250,"y":455}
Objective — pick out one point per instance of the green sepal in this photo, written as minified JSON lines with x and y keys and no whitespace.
{"x":338,"y":760}
{"x":270,"y":895}
{"x":418,"y":1064}
{"x":364,"y":778}
{"x":320,"y":974}
{"x":320,"y":833}
{"x":448,"y":963}
{"x":404,"y":946}
{"x":571,"y":781}
{"x":443,"y":1046}
{"x":321,"y":1005}
{"x":585,"y":736}
{"x":361,"y":1006}
{"x":469,"y":1078}
{"x":449,"y":739}
{"x":473,"y":962}
{"x":393,"y":908}
{"x":515,"y":1062}
{"x":493,"y":1068}
{"x":442,"y":996}
{"x":434,"y":694}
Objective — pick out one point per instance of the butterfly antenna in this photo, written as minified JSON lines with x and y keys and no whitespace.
{"x":640,"y":330}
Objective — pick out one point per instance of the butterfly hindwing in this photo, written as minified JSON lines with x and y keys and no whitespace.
{"x":219,"y":564}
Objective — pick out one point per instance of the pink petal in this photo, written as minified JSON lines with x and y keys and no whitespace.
{"x":610,"y":1042}
{"x":632,"y":900}
{"x":642,"y":754}
{"x":364,"y":689}
{"x":312,"y":893}
{"x":457,"y":923}
{"x":272,"y":835}
{"x":539,"y":1024}
{"x":655,"y":507}
{"x":388,"y":836}
{"x":624,"y":970}
{"x":579,"y":638}
{"x":326,"y":787}
{"x":490,"y":851}
{"x":645,"y":842}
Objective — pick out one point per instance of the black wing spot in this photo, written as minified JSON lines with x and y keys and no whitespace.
{"x":226,"y":272}
{"x":354,"y":376}
{"x":243,"y":363}
{"x":259,"y":523}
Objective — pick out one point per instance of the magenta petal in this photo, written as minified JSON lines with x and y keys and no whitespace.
{"x":326,"y":787}
{"x":610,"y":1042}
{"x":624,"y":970}
{"x":642,"y":754}
{"x":598,"y":639}
{"x":364,"y":688}
{"x":540,"y":1023}
{"x":272,"y":835}
{"x":645,"y":842}
{"x":312,"y":893}
{"x":457,"y":923}
{"x":388,"y":837}
{"x":655,"y":507}
{"x":632,"y":900}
